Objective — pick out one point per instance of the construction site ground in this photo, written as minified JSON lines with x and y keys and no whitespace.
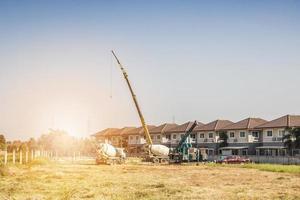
{"x":134,"y":180}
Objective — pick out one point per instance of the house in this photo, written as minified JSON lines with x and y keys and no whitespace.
{"x":118,"y":138}
{"x":177,"y":132}
{"x":208,"y":135}
{"x":272,"y":133}
{"x":160,"y":135}
{"x":136,"y":138}
{"x":243,"y":138}
{"x":103,"y":136}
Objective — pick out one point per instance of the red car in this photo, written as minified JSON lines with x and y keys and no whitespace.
{"x":234,"y":160}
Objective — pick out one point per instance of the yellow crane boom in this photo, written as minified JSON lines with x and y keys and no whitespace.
{"x":148,"y":137}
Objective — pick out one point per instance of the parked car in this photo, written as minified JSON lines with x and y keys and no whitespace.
{"x":233,"y":160}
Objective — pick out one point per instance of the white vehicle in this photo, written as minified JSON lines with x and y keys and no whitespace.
{"x":108,"y":154}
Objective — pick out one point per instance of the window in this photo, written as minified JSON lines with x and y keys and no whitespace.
{"x":158,"y":137}
{"x":211,"y":135}
{"x":131,"y":137}
{"x":201,"y":135}
{"x":174,"y":136}
{"x":269,"y":133}
{"x":181,"y":136}
{"x":281,"y":133}
{"x":137,"y":137}
{"x":255,"y":134}
{"x":152,"y":137}
{"x":168,"y":137}
{"x":242,"y":134}
{"x":231,"y":134}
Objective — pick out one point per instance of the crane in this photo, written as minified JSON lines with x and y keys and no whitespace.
{"x":156,"y":153}
{"x":148,"y":137}
{"x":184,"y":150}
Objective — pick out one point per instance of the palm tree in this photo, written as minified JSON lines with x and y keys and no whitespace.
{"x":292,"y":139}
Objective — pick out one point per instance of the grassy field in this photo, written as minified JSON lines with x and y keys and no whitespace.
{"x":140,"y":181}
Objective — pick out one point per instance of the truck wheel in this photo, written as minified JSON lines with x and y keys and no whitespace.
{"x":164,"y":161}
{"x":155,"y":160}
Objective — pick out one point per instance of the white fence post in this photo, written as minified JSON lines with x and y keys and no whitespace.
{"x":5,"y":157}
{"x":21,"y":156}
{"x":26,"y":156}
{"x":14,"y":156}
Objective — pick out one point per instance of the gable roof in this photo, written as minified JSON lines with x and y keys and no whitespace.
{"x":120,"y":132}
{"x":139,"y":130}
{"x":248,"y":123}
{"x":183,"y":127}
{"x":214,"y":125}
{"x":105,"y":132}
{"x":163,"y":128}
{"x":282,"y":122}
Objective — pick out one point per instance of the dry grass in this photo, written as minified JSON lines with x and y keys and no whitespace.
{"x":134,"y":181}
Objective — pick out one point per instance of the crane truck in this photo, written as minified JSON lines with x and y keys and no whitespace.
{"x":184,"y":152}
{"x":155,"y":153}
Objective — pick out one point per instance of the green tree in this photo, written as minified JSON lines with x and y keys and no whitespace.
{"x":2,"y":142}
{"x":222,"y":141}
{"x":32,"y":143}
{"x":292,"y":139}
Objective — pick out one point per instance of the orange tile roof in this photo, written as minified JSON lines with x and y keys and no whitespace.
{"x":105,"y":132}
{"x":248,"y":123}
{"x":120,"y":132}
{"x":214,"y":125}
{"x":139,"y":130}
{"x":163,"y":128}
{"x":282,"y":122}
{"x":183,"y":127}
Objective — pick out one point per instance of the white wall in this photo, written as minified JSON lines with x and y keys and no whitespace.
{"x":275,"y":135}
{"x":136,"y":139}
{"x":206,"y":138}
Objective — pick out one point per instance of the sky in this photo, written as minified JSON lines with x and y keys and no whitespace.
{"x":187,"y":60}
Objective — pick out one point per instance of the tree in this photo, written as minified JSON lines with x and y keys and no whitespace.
{"x":222,"y":141}
{"x":2,"y":142}
{"x":223,"y":137}
{"x":292,"y":139}
{"x":32,"y":144}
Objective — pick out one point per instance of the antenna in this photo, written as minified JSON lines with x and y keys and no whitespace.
{"x":173,"y":119}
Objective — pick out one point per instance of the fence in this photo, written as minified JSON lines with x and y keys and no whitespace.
{"x":285,"y":160}
{"x":24,"y":157}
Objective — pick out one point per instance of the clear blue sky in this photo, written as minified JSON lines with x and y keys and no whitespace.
{"x":189,"y":59}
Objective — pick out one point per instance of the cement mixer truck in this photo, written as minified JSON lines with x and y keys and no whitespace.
{"x":155,"y":153}
{"x":108,"y":154}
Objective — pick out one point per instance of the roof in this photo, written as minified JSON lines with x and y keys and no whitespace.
{"x":139,"y":130}
{"x":282,"y":122}
{"x":163,"y":128}
{"x":214,"y":125}
{"x":120,"y":132}
{"x":105,"y":132}
{"x":271,"y":147}
{"x":248,"y":123}
{"x":183,"y":127}
{"x":229,"y":148}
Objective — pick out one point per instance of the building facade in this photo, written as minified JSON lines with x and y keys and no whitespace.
{"x":251,"y":136}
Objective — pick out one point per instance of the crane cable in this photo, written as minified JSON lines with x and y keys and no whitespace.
{"x":111,"y":76}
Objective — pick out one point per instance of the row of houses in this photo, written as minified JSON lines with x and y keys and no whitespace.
{"x":251,"y":136}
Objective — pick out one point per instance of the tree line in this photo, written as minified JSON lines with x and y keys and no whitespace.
{"x":56,"y":141}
